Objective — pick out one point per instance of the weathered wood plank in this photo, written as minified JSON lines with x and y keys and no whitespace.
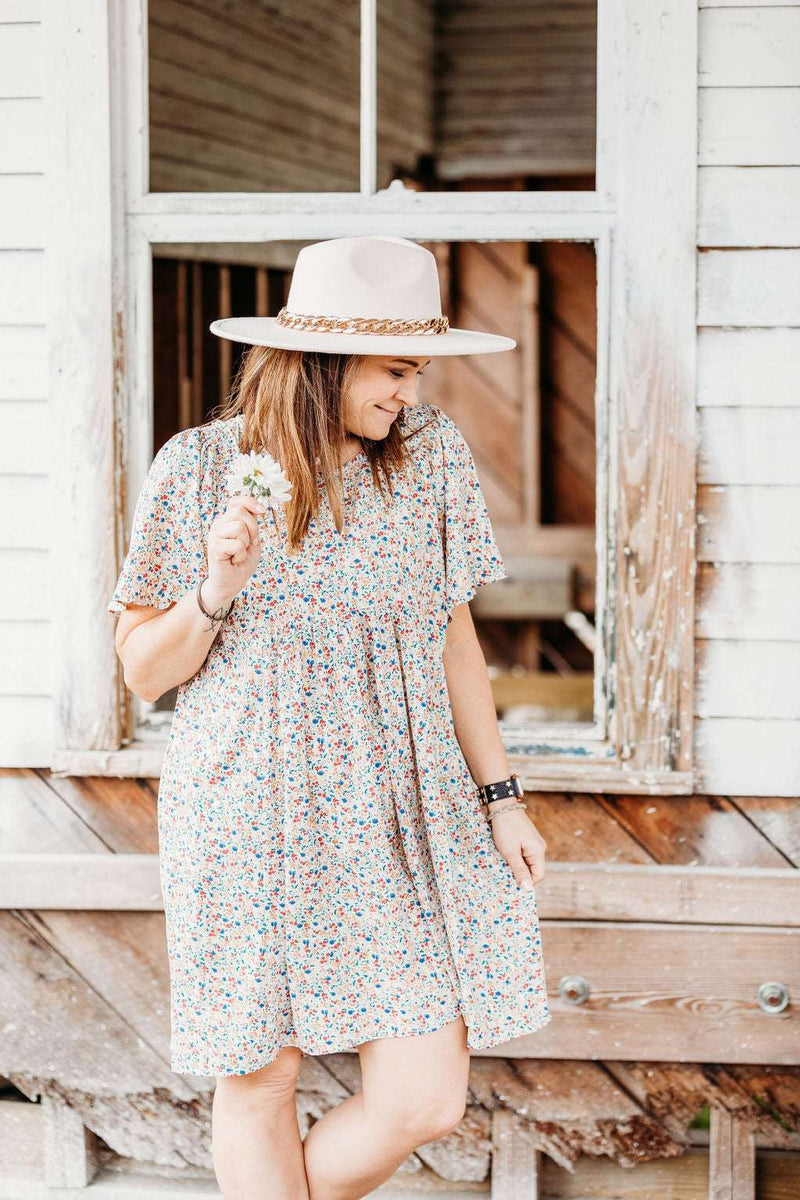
{"x":81,"y":881}
{"x":693,"y":831}
{"x":748,"y":524}
{"x":123,"y":812}
{"x":754,"y":758}
{"x":732,"y":1159}
{"x":732,"y":895}
{"x":756,"y":679}
{"x":123,"y":957}
{"x":516,"y":1161}
{"x":81,"y":297}
{"x":653,"y":312}
{"x":740,"y":895}
{"x":778,"y":819}
{"x":34,"y":819}
{"x":577,"y":827}
{"x":753,"y":601}
{"x":70,"y":1149}
{"x":568,"y":1109}
{"x":675,"y":993}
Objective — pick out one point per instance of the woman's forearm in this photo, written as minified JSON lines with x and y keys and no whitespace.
{"x":167,"y":649}
{"x":471,"y":701}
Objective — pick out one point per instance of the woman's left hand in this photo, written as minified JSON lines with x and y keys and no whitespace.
{"x":521,"y":845}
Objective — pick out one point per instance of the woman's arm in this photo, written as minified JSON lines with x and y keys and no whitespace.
{"x":471,"y":700}
{"x":475,"y":723}
{"x":161,"y":648}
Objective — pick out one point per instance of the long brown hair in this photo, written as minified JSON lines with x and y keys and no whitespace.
{"x":292,"y":402}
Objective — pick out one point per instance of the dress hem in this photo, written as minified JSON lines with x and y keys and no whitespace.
{"x":486,"y":1042}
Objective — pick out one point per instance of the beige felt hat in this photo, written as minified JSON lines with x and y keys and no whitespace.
{"x":363,"y":295}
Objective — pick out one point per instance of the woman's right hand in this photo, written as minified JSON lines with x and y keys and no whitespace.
{"x":234,"y":548}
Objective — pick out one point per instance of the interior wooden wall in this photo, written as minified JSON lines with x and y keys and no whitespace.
{"x":516,"y":88}
{"x":254,"y":97}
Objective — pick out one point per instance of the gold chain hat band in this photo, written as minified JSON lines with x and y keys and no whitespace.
{"x":384,"y":325}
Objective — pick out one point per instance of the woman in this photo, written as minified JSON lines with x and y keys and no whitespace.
{"x":330,"y":878}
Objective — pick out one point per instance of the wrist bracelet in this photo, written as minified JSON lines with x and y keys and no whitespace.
{"x":490,"y":816}
{"x":221,"y":613}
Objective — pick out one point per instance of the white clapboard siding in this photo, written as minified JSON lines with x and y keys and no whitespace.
{"x":747,"y":665}
{"x":25,"y":444}
{"x":742,"y":756}
{"x":749,"y":46}
{"x":22,"y":293}
{"x":22,"y":213}
{"x":769,"y":591}
{"x":27,"y":724}
{"x":748,"y":524}
{"x":22,"y":596}
{"x":749,"y":445}
{"x":26,"y":512}
{"x":748,"y":287}
{"x":748,"y":206}
{"x":748,"y":367}
{"x":749,"y":126}
{"x":767,"y":678}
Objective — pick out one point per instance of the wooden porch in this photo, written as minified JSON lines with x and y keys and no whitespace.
{"x":662,"y":919}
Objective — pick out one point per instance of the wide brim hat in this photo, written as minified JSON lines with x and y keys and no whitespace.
{"x":363,"y":295}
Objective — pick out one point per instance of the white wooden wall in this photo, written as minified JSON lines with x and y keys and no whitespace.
{"x":748,"y":395}
{"x":26,"y":688}
{"x":748,"y":579}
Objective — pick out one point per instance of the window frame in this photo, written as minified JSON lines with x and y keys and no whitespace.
{"x":641,"y":737}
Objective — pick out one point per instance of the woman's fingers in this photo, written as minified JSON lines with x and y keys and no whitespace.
{"x":524,"y":852}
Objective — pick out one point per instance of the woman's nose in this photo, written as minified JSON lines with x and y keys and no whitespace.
{"x":407,"y":391}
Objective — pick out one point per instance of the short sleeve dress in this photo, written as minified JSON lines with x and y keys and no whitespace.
{"x":327,"y":873}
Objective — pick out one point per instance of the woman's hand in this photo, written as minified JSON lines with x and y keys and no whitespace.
{"x":234,"y":548}
{"x":521,"y":845}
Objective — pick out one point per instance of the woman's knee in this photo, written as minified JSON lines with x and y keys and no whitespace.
{"x":269,"y":1086}
{"x":421,"y":1116}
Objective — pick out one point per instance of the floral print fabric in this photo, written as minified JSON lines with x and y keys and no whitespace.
{"x":328,"y":876}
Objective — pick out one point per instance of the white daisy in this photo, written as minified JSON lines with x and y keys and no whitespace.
{"x":261,"y":476}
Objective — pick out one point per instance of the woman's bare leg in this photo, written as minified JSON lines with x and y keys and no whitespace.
{"x":413,"y":1091}
{"x":255,"y":1139}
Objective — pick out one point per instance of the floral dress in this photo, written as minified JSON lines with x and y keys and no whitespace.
{"x":328,"y":875}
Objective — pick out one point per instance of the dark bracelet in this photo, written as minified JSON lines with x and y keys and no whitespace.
{"x":221,"y":613}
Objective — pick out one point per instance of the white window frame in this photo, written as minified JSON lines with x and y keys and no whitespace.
{"x":641,"y":218}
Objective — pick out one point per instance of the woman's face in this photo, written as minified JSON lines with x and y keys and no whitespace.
{"x":383,"y":386}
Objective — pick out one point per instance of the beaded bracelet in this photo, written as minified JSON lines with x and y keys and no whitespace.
{"x":490,"y":816}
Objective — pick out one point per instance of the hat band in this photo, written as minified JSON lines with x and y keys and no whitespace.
{"x":385,"y":325}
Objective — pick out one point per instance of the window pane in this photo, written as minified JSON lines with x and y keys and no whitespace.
{"x":254,"y":97}
{"x":527,"y":414}
{"x":480,"y":94}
